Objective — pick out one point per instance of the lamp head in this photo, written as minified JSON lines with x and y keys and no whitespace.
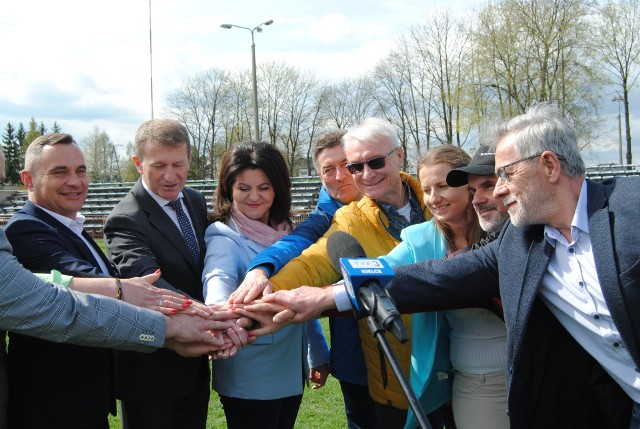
{"x":269,"y":22}
{"x":227,"y":26}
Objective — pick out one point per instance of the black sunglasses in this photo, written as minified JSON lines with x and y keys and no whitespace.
{"x":373,"y":163}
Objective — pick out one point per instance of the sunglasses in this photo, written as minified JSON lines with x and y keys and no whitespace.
{"x":373,"y":163}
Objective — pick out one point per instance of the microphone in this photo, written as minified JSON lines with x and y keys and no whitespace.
{"x":364,"y":279}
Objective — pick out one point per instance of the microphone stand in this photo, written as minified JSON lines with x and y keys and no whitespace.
{"x":376,"y":329}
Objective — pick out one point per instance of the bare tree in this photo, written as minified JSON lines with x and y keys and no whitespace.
{"x":198,"y":104}
{"x":275,"y":81}
{"x":299,"y":118}
{"x":101,"y":157}
{"x":237,"y":116}
{"x":394,"y":97}
{"x":617,"y":44}
{"x":403,"y":94}
{"x":441,"y":46}
{"x":347,"y":102}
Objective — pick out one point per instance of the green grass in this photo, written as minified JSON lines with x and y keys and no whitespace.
{"x":323,"y":408}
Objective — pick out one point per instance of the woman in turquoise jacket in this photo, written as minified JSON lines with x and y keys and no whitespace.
{"x":471,"y":341}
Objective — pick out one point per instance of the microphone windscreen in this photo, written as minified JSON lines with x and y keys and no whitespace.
{"x":343,"y":245}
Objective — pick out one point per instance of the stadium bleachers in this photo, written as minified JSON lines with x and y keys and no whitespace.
{"x":104,"y":196}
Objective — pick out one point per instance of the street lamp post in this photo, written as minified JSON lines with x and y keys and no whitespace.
{"x":619,"y":99}
{"x":257,"y":28}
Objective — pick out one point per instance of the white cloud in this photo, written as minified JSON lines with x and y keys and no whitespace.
{"x":83,"y":63}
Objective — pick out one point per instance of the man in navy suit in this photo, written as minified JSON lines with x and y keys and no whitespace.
{"x":57,"y":385}
{"x":146,"y":231}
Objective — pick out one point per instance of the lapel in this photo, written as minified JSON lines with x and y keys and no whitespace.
{"x":605,"y":257}
{"x":70,"y":237}
{"x":163,"y":224}
{"x":522,"y":284}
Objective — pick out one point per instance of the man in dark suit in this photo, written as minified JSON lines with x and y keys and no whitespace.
{"x":70,"y":386}
{"x":145,"y":233}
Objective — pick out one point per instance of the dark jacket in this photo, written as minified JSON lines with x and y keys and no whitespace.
{"x":140,"y":238}
{"x":56,"y":385}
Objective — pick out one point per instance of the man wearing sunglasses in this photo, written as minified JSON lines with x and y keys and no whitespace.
{"x":392,"y":201}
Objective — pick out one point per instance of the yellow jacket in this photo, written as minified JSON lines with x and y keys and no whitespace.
{"x":364,"y":220}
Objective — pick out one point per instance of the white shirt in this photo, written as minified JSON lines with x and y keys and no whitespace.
{"x":571,"y":290}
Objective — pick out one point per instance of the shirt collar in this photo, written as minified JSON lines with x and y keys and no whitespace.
{"x":158,"y":199}
{"x":76,"y":225}
{"x":579,"y":223}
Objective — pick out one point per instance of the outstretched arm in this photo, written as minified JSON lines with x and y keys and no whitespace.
{"x":272,"y":259}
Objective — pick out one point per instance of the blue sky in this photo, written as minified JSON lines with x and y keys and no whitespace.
{"x":86,"y":63}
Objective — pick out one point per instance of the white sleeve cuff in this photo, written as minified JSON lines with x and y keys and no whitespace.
{"x":343,"y":303}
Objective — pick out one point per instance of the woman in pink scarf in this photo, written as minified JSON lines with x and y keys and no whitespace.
{"x":262,"y":385}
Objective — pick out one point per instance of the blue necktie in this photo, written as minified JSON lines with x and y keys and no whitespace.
{"x":187,"y":231}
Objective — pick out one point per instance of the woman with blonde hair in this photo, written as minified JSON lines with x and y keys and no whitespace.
{"x":476,"y":336}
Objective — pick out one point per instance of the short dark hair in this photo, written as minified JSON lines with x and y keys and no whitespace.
{"x":327,"y":141}
{"x":254,"y":155}
{"x":167,"y":132}
{"x":33,"y":154}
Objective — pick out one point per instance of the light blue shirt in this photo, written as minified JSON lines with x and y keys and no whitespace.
{"x":572,"y":291}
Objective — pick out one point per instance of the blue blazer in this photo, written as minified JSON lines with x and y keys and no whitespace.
{"x":549,"y":377}
{"x":74,"y":383}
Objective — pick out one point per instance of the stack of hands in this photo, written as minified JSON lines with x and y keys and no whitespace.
{"x":254,"y":299}
{"x":195,"y":329}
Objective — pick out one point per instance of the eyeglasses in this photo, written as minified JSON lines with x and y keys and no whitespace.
{"x":373,"y":163}
{"x":502,"y":174}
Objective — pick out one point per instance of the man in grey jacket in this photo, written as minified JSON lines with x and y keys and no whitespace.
{"x":566,"y":268}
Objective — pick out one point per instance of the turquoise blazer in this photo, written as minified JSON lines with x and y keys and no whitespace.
{"x":431,"y":374}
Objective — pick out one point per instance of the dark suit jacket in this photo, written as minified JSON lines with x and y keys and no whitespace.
{"x":56,"y":385}
{"x":141,"y":238}
{"x":552,"y":381}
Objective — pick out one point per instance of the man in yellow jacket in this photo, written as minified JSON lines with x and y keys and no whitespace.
{"x":392,"y":200}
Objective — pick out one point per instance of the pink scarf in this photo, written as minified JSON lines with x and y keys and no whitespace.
{"x":257,"y":231}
